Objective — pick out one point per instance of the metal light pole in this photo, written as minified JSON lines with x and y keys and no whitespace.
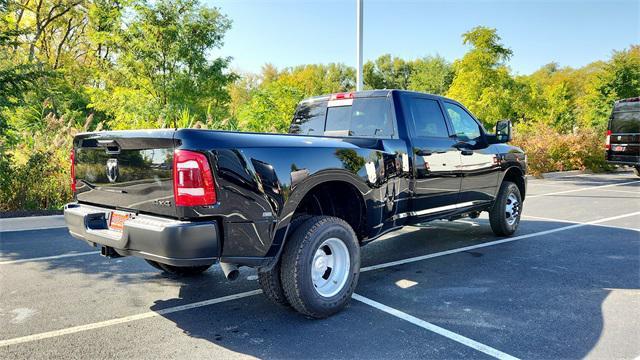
{"x":359,"y":45}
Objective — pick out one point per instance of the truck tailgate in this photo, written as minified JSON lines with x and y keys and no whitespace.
{"x":127,"y":170}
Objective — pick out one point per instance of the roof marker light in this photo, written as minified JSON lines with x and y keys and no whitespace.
{"x":341,"y":96}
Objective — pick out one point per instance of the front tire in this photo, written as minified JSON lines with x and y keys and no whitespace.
{"x":505,"y":213}
{"x":320,"y":266}
{"x":179,"y":270}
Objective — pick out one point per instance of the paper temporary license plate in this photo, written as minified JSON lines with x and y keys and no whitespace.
{"x":117,"y":219}
{"x":619,"y":148}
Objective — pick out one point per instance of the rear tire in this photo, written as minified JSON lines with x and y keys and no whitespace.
{"x":636,"y":170}
{"x":505,"y":213}
{"x":179,"y":270}
{"x":269,"y":280}
{"x":320,"y":266}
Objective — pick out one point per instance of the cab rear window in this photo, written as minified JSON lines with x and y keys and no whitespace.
{"x":309,"y":119}
{"x":366,"y":117}
{"x":362,"y":117}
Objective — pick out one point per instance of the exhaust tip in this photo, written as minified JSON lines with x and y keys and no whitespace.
{"x":233,"y":275}
{"x":230,"y":271}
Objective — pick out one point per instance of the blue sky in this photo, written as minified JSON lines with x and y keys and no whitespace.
{"x":288,"y":32}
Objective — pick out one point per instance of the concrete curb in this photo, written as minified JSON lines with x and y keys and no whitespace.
{"x":559,"y":174}
{"x":556,"y":174}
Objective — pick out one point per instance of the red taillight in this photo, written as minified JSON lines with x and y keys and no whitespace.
{"x":73,"y":170}
{"x":340,"y":96}
{"x":607,"y":141}
{"x":192,"y":179}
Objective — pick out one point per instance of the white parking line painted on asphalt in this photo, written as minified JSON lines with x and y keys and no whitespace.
{"x":126,"y":319}
{"x":624,"y":191}
{"x":32,"y":223}
{"x":578,"y":222}
{"x":49,"y":257}
{"x":151,"y":314}
{"x":492,"y":243}
{"x":583,"y":189}
{"x":436,"y":329}
{"x":35,"y":228}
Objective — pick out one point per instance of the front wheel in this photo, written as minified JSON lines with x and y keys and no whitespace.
{"x":504,"y":216}
{"x":320,"y":266}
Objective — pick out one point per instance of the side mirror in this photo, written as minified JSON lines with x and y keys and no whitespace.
{"x":503,"y":131}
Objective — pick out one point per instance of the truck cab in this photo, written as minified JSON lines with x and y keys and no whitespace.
{"x":453,"y":163}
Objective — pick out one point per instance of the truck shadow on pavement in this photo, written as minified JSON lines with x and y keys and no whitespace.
{"x":539,"y":298}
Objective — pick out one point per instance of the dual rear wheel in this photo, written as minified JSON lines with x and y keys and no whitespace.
{"x":318,"y":270}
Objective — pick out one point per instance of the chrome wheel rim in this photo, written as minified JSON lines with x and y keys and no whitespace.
{"x":512,"y":209}
{"x":330,"y":267}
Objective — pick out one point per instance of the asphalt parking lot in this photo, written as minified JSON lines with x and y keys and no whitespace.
{"x":567,"y":285}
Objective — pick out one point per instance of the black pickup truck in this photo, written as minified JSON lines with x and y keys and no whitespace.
{"x":295,"y":206}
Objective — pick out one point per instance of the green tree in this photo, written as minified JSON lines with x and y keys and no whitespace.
{"x":50,"y":36}
{"x":387,"y":72}
{"x":163,"y":65}
{"x":431,"y":74}
{"x":270,"y":109}
{"x":482,"y":80}
{"x":268,"y":105}
{"x":619,"y":79}
{"x":318,"y":79}
{"x":551,"y":97}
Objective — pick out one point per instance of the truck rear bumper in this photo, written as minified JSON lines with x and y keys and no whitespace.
{"x":632,"y":160}
{"x":628,"y":162}
{"x":168,"y":241}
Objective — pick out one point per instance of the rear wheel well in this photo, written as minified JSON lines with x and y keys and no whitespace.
{"x":516,"y":176}
{"x":335,"y":198}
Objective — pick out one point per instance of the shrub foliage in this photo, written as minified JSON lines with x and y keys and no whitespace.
{"x":550,"y":150}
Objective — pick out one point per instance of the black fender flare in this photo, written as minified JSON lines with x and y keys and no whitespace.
{"x":298,"y":192}
{"x":517,"y":167}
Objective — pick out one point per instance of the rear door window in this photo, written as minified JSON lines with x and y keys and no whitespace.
{"x":365,"y":117}
{"x":428,"y":119}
